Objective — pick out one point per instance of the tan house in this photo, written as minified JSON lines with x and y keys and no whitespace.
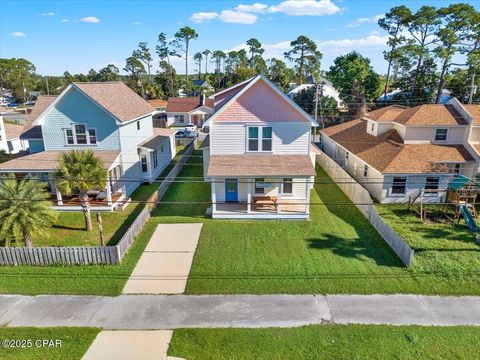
{"x":396,"y":152}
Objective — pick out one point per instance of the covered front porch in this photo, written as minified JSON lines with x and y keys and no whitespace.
{"x":261,"y":198}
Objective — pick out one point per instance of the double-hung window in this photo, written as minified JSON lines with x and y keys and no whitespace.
{"x":253,"y":138}
{"x":179,"y":118}
{"x":431,"y":183}
{"x":69,"y":136}
{"x":441,"y":134}
{"x":92,"y":136}
{"x":259,"y":138}
{"x":79,"y":134}
{"x":399,"y":185}
{"x":267,"y":138}
{"x":144,"y":163}
{"x":287,"y":187}
{"x":259,"y":189}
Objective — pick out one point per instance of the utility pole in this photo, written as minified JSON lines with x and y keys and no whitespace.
{"x":473,"y":88}
{"x":317,"y":94}
{"x":46,"y":83}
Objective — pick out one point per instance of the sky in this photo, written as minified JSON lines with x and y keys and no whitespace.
{"x":75,"y":36}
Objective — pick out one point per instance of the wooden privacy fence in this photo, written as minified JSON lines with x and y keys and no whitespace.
{"x":89,"y":255}
{"x":361,"y":198}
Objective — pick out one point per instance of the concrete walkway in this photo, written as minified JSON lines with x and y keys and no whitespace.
{"x":249,"y":311}
{"x":165,"y":264}
{"x":130,"y":344}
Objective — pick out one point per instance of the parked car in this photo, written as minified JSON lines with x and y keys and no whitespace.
{"x":186,"y":134}
{"x":191,"y":127}
{"x":30,"y":102}
{"x":12,"y":104}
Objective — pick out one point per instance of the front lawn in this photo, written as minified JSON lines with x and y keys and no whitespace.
{"x":337,"y":251}
{"x":338,"y":342}
{"x":86,"y":280}
{"x":439,"y":246}
{"x":74,"y":342}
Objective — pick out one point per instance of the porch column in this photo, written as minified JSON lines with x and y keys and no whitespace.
{"x":307,"y":196}
{"x":109,"y":193}
{"x":59,"y":197}
{"x":249,"y":195}
{"x":279,"y":195}
{"x":214,"y":195}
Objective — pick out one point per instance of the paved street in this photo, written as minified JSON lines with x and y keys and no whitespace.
{"x":251,"y":311}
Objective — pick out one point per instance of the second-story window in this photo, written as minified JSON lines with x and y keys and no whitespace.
{"x":259,"y":138}
{"x":79,"y":134}
{"x":441,"y":134}
{"x":253,"y":138}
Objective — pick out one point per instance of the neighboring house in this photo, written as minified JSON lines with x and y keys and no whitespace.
{"x":444,"y":98}
{"x":396,"y":152}
{"x":258,"y":155}
{"x":106,"y":117}
{"x":10,"y":138}
{"x":202,"y":87}
{"x":160,"y":118}
{"x":185,"y":110}
{"x":328,"y":90}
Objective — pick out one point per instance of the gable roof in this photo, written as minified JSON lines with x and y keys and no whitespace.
{"x":474,"y":110}
{"x":187,"y":104}
{"x":117,"y":98}
{"x":388,"y":154}
{"x":256,"y":108}
{"x":159,"y":136}
{"x":427,"y":115}
{"x":43,"y":102}
{"x":158,"y":103}
{"x":13,"y":131}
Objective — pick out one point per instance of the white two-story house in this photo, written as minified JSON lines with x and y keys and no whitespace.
{"x":258,"y":154}
{"x":108,"y":118}
{"x":396,"y":152}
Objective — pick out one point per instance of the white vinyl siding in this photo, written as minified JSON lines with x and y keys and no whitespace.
{"x":288,"y":138}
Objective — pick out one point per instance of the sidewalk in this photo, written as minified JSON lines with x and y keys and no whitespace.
{"x":165,"y":264}
{"x":151,"y":312}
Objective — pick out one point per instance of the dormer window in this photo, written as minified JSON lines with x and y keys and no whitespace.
{"x":441,"y":135}
{"x":79,"y":134}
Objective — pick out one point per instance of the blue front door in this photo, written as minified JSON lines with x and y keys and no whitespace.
{"x":231,"y":190}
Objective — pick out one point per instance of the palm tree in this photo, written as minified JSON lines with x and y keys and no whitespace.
{"x":80,"y":171}
{"x":24,"y":210}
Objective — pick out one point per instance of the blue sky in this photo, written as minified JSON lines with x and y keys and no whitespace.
{"x":78,"y":35}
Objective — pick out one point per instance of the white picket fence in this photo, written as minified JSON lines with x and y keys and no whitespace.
{"x":360,"y":196}
{"x":89,"y":255}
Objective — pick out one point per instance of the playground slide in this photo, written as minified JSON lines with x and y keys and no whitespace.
{"x":472,"y":226}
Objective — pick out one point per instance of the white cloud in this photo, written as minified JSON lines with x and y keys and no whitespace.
{"x":306,"y":7}
{"x":64,"y":20}
{"x":18,"y":34}
{"x":365,"y":20}
{"x":137,"y":23}
{"x":90,"y":19}
{"x":254,"y":8}
{"x":369,"y":41}
{"x":237,"y":17}
{"x":51,"y":13}
{"x":202,"y":16}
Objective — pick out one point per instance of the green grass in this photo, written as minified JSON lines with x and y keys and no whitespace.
{"x":337,"y":251}
{"x":86,"y":280}
{"x":337,"y":342}
{"x":74,"y":343}
{"x":69,"y":230}
{"x":439,"y":246}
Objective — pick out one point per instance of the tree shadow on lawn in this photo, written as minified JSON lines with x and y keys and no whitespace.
{"x":64,"y":227}
{"x":355,"y":249}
